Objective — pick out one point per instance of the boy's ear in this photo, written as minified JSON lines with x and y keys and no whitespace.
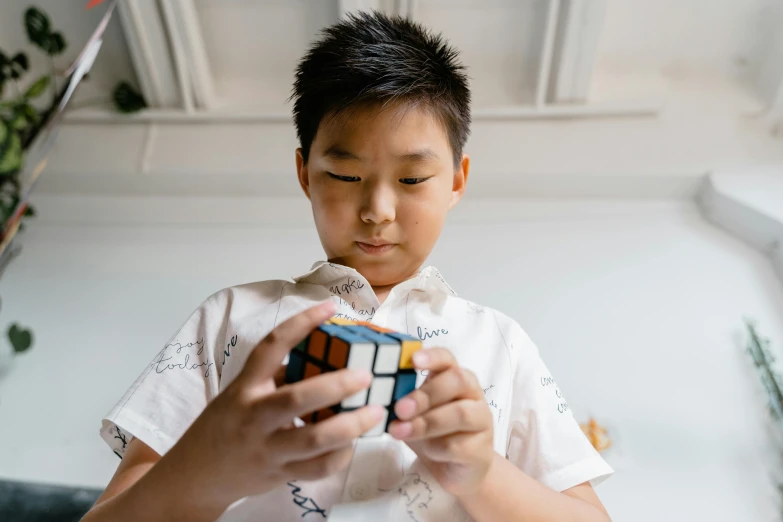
{"x":301,"y":173}
{"x":460,"y":180}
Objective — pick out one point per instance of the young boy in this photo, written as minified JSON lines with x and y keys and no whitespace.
{"x":382,"y":112}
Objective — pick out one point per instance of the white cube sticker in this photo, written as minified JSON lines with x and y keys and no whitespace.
{"x":388,"y":359}
{"x":381,"y":391}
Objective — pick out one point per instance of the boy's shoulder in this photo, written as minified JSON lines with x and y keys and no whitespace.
{"x":504,"y":321}
{"x":250,"y":299}
{"x":514,"y":336}
{"x":244,"y":299}
{"x":256,"y":292}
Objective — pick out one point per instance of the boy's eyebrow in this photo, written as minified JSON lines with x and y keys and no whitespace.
{"x":338,"y":153}
{"x":419,"y":155}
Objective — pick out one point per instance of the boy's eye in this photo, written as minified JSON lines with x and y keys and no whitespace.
{"x":350,"y":179}
{"x":413,"y":181}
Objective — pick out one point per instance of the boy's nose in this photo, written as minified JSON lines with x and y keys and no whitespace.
{"x":378,"y":205}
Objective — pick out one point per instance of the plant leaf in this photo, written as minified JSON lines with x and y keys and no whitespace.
{"x":5,"y":64}
{"x":3,"y":71}
{"x":19,"y":65}
{"x":38,"y":27}
{"x":21,"y":60}
{"x":21,"y":338}
{"x":11,"y":159}
{"x":56,"y":44}
{"x":29,"y":211}
{"x":127,"y":99}
{"x":38,"y":88}
{"x":30,"y":112}
{"x":20,"y":121}
{"x":5,"y":137}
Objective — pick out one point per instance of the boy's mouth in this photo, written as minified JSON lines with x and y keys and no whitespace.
{"x":375,"y":248}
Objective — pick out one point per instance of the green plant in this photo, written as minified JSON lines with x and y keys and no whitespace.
{"x":127,"y":100}
{"x":21,"y":114}
{"x":18,"y":120}
{"x":764,"y":361}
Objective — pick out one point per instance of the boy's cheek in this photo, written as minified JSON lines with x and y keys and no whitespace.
{"x":333,"y":219}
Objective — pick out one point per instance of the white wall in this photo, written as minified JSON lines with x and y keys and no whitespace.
{"x":635,"y":156}
{"x":761,"y":190}
{"x":749,"y":204}
{"x":686,"y":36}
{"x":637,"y":308}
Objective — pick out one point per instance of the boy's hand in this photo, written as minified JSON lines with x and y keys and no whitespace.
{"x":447,"y":423}
{"x":243,"y":442}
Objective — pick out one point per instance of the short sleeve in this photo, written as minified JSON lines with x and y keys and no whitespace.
{"x":172,"y":390}
{"x":544,"y":439}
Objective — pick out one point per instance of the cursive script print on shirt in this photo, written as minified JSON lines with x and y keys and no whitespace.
{"x":119,"y":435}
{"x":416,"y":493}
{"x":346,"y":287}
{"x":227,"y":352}
{"x":425,"y":333}
{"x":366,"y":313}
{"x":492,"y":403}
{"x":182,"y":357}
{"x":562,"y":405}
{"x":309,"y":505}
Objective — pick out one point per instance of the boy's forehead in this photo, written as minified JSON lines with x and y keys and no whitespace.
{"x":397,"y":129}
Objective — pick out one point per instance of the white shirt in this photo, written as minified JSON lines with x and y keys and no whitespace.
{"x":534,"y":428}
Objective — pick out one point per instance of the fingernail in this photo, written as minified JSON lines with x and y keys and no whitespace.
{"x":360,"y":376}
{"x":327,"y":307}
{"x":377,"y":412}
{"x":420,"y":358}
{"x":400,"y":430}
{"x":405,"y":408}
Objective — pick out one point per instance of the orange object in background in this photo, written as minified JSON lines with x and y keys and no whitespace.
{"x":93,"y":3}
{"x":596,"y":434}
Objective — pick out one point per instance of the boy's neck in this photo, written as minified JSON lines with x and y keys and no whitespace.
{"x":382,"y":292}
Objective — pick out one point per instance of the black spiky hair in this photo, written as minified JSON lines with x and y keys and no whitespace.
{"x":370,"y":58}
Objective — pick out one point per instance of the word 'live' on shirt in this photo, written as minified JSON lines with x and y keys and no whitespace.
{"x":534,"y":428}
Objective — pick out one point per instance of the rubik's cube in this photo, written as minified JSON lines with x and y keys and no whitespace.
{"x":340,"y":343}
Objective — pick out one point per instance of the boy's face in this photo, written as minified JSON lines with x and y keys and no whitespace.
{"x":381,"y":182}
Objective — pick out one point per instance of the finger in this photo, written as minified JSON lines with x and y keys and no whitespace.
{"x":279,"y":376}
{"x":313,"y":394}
{"x":321,"y":466}
{"x":455,"y":383}
{"x":435,"y":360}
{"x":456,"y":448}
{"x":326,"y":436}
{"x":454,"y":417}
{"x":268,"y":355}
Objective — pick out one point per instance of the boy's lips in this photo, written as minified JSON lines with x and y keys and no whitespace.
{"x":375,"y":247}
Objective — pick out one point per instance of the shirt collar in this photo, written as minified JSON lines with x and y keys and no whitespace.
{"x":324,"y":273}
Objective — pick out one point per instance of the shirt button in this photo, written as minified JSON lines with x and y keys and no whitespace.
{"x":358,"y":492}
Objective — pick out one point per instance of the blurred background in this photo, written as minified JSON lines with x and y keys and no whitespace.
{"x":625,"y":206}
